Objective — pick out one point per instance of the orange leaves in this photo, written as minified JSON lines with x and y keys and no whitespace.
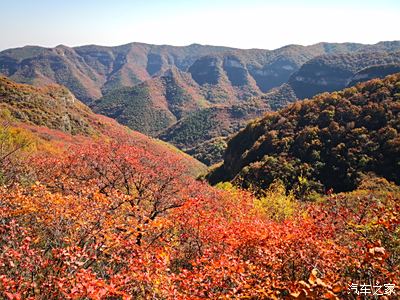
{"x":115,"y":221}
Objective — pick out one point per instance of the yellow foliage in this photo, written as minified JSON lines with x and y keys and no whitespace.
{"x":225,"y":186}
{"x":14,"y":139}
{"x":276,"y":203}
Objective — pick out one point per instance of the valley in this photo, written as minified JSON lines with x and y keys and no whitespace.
{"x":199,"y":172}
{"x":162,"y":90}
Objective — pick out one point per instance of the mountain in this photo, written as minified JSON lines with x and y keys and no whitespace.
{"x":330,"y":73}
{"x":165,"y":91}
{"x":200,"y":133}
{"x":153,"y":105}
{"x":152,"y":108}
{"x":52,"y":114}
{"x":90,"y":71}
{"x":378,"y":71}
{"x":205,"y":124}
{"x":94,"y":210}
{"x":53,"y":106}
{"x":327,"y":142}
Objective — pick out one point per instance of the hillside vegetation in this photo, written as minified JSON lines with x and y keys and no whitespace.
{"x":52,"y":106}
{"x":377,"y":71}
{"x":117,"y":215}
{"x":328,"y":73}
{"x":197,"y":133}
{"x":152,"y":106}
{"x":328,"y":142}
{"x":52,"y":114}
{"x":159,"y":90}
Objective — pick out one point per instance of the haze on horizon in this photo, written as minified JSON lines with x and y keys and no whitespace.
{"x":234,"y":23}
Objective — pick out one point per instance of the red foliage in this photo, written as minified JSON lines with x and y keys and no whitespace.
{"x":111,"y":220}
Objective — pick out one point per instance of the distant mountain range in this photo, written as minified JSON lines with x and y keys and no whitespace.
{"x":168,"y":91}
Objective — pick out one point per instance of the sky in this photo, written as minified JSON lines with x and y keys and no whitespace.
{"x":244,"y":24}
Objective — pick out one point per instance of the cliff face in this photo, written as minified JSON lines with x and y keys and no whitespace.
{"x":379,"y":71}
{"x":90,"y":71}
{"x":334,"y":72}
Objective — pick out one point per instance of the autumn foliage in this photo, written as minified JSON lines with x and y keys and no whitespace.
{"x":119,"y":216}
{"x":331,"y":141}
{"x":108,"y":220}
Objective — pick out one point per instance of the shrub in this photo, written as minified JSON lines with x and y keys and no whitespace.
{"x":276,"y":203}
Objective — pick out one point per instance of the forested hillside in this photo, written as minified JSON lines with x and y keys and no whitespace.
{"x":52,"y":115}
{"x":160,"y":90}
{"x":328,"y":142}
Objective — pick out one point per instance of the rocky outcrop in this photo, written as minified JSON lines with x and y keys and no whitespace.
{"x":330,"y":73}
{"x":379,"y":71}
{"x":206,"y":70}
{"x":92,"y":71}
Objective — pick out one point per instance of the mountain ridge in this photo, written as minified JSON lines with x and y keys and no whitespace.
{"x":101,"y":68}
{"x":52,"y":114}
{"x":157,"y":89}
{"x":329,"y":141}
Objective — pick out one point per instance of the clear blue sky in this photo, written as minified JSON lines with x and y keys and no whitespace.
{"x":237,"y":23}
